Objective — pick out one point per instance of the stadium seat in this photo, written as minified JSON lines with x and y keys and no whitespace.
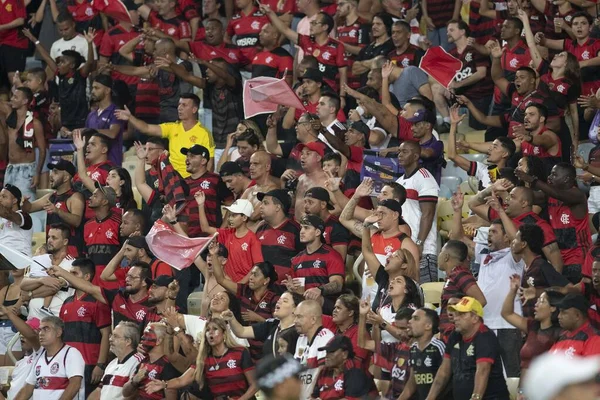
{"x":194,"y":303}
{"x":130,"y":167}
{"x":453,"y":171}
{"x":38,"y":239}
{"x":470,"y":186}
{"x":451,"y":182}
{"x":445,"y":192}
{"x":513,"y":387}
{"x":477,"y":157}
{"x":584,"y":150}
{"x":433,"y":292}
{"x":359,"y":259}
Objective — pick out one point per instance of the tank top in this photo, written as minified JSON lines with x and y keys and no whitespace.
{"x":75,"y":240}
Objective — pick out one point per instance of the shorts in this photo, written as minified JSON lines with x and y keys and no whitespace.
{"x":20,"y":175}
{"x":7,"y":332}
{"x":429,"y":268}
{"x":594,"y":200}
{"x":12,"y":58}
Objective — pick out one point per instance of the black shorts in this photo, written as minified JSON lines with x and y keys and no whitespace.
{"x":12,"y":59}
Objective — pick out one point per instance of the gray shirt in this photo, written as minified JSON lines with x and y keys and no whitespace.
{"x":408,"y":83}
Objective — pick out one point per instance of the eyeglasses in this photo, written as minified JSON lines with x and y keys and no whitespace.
{"x":132,"y":277}
{"x":312,"y":23}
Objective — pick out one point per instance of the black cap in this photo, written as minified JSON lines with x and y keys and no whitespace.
{"x":282,"y":195}
{"x":313,"y":74}
{"x":15,"y":191}
{"x":392,"y":204}
{"x":361,"y":127}
{"x":108,"y":192}
{"x":230,"y":168}
{"x":339,"y":342}
{"x":223,"y":252}
{"x":573,"y":300}
{"x":139,"y":242}
{"x":163,"y":280}
{"x":196,"y":150}
{"x":104,"y":80}
{"x":320,"y":193}
{"x":273,"y":371}
{"x":313,"y":221}
{"x":63,"y":165}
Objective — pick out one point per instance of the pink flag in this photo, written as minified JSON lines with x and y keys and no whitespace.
{"x":176,"y":250}
{"x":440,"y":65}
{"x":113,"y":8}
{"x":263,"y":94}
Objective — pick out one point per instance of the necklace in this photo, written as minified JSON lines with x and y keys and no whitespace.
{"x":259,"y":301}
{"x":218,"y":362}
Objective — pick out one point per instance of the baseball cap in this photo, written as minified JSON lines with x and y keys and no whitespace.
{"x":15,"y":191}
{"x":549,"y":374}
{"x":163,"y":280}
{"x":361,"y":127}
{"x":314,"y":221}
{"x":109,"y":193}
{"x":241,"y":206}
{"x":63,"y":165}
{"x":197,"y":150}
{"x":139,"y":242}
{"x":230,"y":168}
{"x":573,"y":300}
{"x":313,"y":74}
{"x":223,"y":252}
{"x":281,"y":195}
{"x":321,"y":194}
{"x":392,"y":204}
{"x":34,"y":323}
{"x":420,"y":116}
{"x":468,"y":304}
{"x":272,"y":371}
{"x":339,"y":342}
{"x":104,"y":80}
{"x":313,"y":146}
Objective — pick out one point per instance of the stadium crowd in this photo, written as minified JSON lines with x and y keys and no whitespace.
{"x":414,"y":231}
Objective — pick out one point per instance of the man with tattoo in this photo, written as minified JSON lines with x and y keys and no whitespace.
{"x":318,"y":271}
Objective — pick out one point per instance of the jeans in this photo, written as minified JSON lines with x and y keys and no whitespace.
{"x":428,"y":267}
{"x":511,"y":342}
{"x":20,"y":175}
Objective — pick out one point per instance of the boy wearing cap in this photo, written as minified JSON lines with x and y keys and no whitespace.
{"x":279,"y":235}
{"x":243,"y":245}
{"x":340,"y":379}
{"x":15,"y":225}
{"x":65,"y":205}
{"x":200,"y":179}
{"x":579,"y":338}
{"x":101,"y":233}
{"x":472,"y":358}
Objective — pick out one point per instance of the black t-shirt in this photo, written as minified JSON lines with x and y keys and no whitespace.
{"x":73,"y":101}
{"x":425,"y":365}
{"x":383,"y":280}
{"x":268,"y":332}
{"x":464,"y":356}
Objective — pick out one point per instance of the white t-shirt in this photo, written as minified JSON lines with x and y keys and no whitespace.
{"x":37,"y":271}
{"x":50,"y":375}
{"x":420,"y":186}
{"x":78,"y":43}
{"x":310,"y":357}
{"x":194,"y":326}
{"x":493,"y":281}
{"x":21,"y":372}
{"x":17,"y":237}
{"x":117,"y":375}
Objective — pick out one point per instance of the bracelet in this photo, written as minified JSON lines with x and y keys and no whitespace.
{"x":475,"y":396}
{"x":37,"y":42}
{"x":173,"y":222}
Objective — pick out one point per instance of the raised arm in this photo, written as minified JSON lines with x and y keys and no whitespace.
{"x":371,"y":259}
{"x":497,"y":73}
{"x":271,"y":141}
{"x":387,"y":120}
{"x":129,"y":48}
{"x":278,"y":24}
{"x":139,"y":174}
{"x":455,"y":120}
{"x":50,"y":63}
{"x":508,"y":307}
{"x":200,"y":199}
{"x":108,"y":274}
{"x":536,"y":57}
{"x":364,"y":341}
{"x":148,"y":129}
{"x":88,"y":66}
{"x":78,"y":283}
{"x":218,"y":272}
{"x":347,"y":216}
{"x":79,"y":143}
{"x":243,"y":332}
{"x":386,"y":98}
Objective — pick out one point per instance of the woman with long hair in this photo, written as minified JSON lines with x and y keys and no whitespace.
{"x":562,"y":78}
{"x":269,"y":331}
{"x":542,"y":331}
{"x":241,"y":144}
{"x":119,"y":179}
{"x":219,"y":360}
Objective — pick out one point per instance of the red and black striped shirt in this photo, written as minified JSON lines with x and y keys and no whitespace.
{"x":160,"y":370}
{"x":102,"y":244}
{"x":263,"y":307}
{"x":331,"y":57}
{"x":482,"y":28}
{"x":279,"y":245}
{"x":113,"y":40}
{"x":84,"y":317}
{"x":335,"y":233}
{"x":225,"y":376}
{"x":246,"y":28}
{"x":411,"y":56}
{"x":317,"y":267}
{"x":471,"y":60}
{"x":355,"y":34}
{"x":177,"y":28}
{"x":276,"y":63}
{"x":397,"y":355}
{"x":124,"y":309}
{"x":459,"y":280}
{"x":352,"y":384}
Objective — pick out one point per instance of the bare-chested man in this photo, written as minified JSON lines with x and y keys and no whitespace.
{"x":310,"y":159}
{"x":24,"y":133}
{"x":260,"y":168}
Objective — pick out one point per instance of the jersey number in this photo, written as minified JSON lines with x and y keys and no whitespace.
{"x":464,"y":74}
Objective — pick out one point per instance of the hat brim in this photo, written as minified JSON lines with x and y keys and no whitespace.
{"x":260,"y":196}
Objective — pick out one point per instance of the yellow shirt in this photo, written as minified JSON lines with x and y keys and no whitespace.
{"x":179,"y":138}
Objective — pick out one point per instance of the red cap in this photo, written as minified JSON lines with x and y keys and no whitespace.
{"x":313,"y":146}
{"x":34,"y":323}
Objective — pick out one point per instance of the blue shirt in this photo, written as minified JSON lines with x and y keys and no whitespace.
{"x":104,"y":120}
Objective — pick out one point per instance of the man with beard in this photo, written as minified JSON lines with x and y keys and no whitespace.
{"x":147,"y":180}
{"x":103,"y":117}
{"x":127,"y":305}
{"x":273,"y":60}
{"x":38,"y":285}
{"x":161,"y":295}
{"x":123,"y":342}
{"x":87,"y":326}
{"x":101,"y":233}
{"x":65,"y":205}
{"x":155,"y":366}
{"x":133,"y":223}
{"x":381,"y":30}
{"x":538,"y":140}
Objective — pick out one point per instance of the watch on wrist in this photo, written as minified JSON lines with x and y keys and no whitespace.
{"x":383,"y":325}
{"x":418,"y":242}
{"x":177,"y":330}
{"x":102,"y":366}
{"x":173,"y":222}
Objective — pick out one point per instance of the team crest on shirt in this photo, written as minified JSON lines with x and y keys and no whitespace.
{"x":388,"y":249}
{"x":427,"y":361}
{"x":255,"y":25}
{"x":268,"y":60}
{"x":471,"y":351}
{"x":530,"y":281}
{"x":326,"y":55}
{"x":89,"y":12}
{"x":245,"y":246}
{"x":585,"y":55}
{"x":58,"y":205}
{"x":560,"y":88}
{"x":140,"y":314}
{"x":8,"y":7}
{"x":193,"y":139}
{"x":570,"y":352}
{"x":400,"y":362}
{"x":54,"y":368}
{"x":109,"y":234}
{"x":564,"y":218}
{"x":281,"y":239}
{"x":514,"y":62}
{"x":339,"y":385}
{"x":405,"y":62}
{"x":95,"y":175}
{"x":171,"y":31}
{"x":205,"y":185}
{"x":568,"y":18}
{"x":152,"y":374}
{"x":232,"y":56}
{"x":81,"y":312}
{"x":231,"y":364}
{"x":38,"y":370}
{"x":317,"y":264}
{"x":263,"y":304}
{"x":469,"y":57}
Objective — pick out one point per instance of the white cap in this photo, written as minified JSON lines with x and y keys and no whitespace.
{"x":241,"y":206}
{"x":549,"y":374}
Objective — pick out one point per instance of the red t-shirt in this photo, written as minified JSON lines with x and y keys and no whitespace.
{"x":9,"y":11}
{"x":244,"y":252}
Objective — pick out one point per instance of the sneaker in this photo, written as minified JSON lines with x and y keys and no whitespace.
{"x":46,"y":312}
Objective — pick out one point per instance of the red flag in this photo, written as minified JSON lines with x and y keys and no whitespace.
{"x":263,"y":94}
{"x":440,"y":65}
{"x":176,"y":250}
{"x":113,"y":8}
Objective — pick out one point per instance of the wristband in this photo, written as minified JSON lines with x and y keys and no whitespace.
{"x":173,"y":222}
{"x":102,"y":366}
{"x":383,"y":326}
{"x":37,"y":42}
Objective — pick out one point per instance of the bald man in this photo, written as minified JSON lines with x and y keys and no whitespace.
{"x":313,"y":337}
{"x":260,"y":173}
